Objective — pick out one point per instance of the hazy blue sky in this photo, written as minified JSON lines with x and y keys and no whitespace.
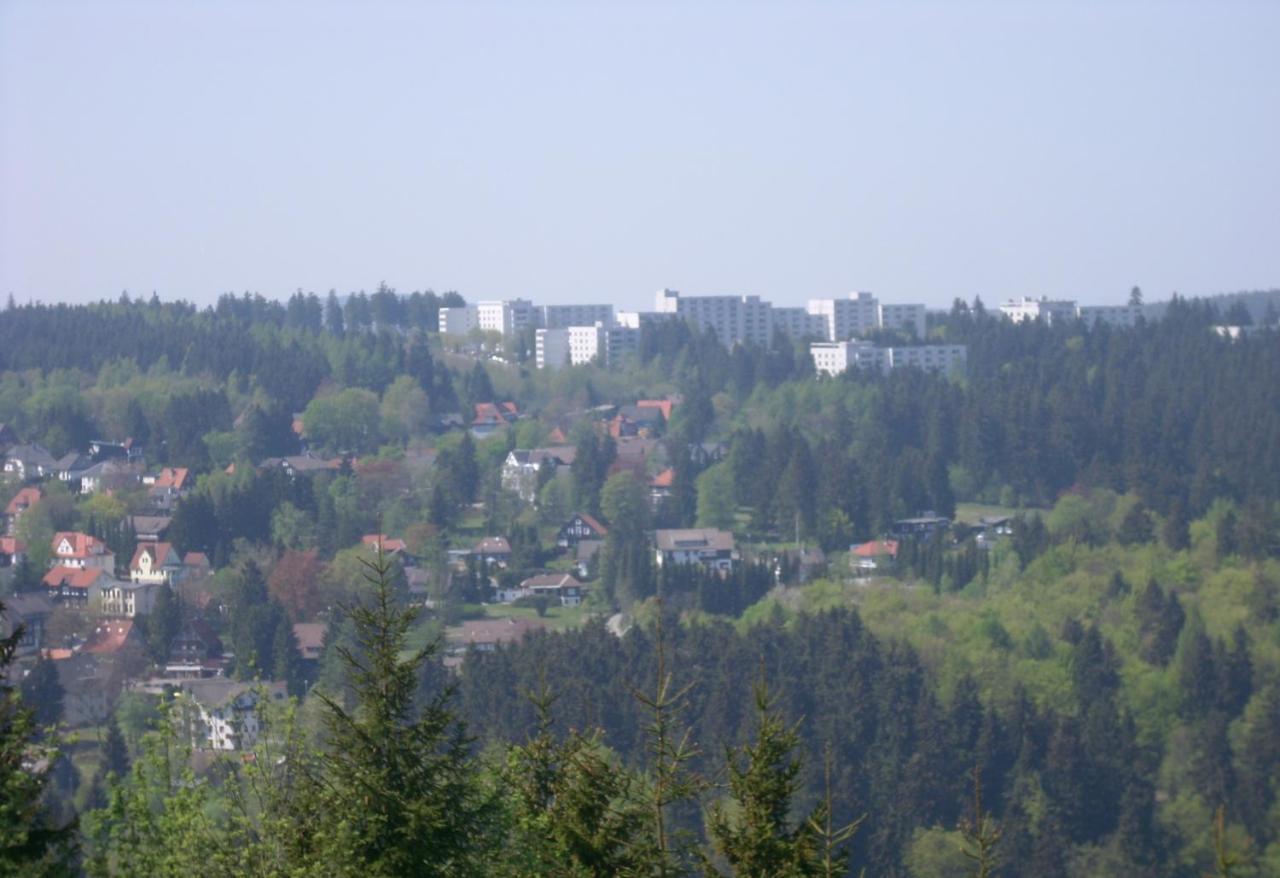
{"x":599,"y":151}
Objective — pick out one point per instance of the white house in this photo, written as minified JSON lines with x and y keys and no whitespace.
{"x":129,"y":599}
{"x":710,"y":548}
{"x":156,"y":563}
{"x":221,"y":714}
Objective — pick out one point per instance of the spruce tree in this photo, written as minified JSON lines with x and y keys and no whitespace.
{"x":756,"y":836}
{"x":398,"y":791}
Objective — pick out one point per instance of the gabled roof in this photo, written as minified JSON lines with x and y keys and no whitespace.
{"x":495,"y":413}
{"x":11,"y":546}
{"x":587,"y":549}
{"x":74,"y":577}
{"x":175,"y":477}
{"x":389,"y":546}
{"x":109,"y":637}
{"x":162,"y":555}
{"x":551,"y":580}
{"x":22,"y":500}
{"x":212,"y":694}
{"x":310,"y":636}
{"x":663,"y":405}
{"x":664,"y":479}
{"x":196,"y":559}
{"x":33,"y":454}
{"x":492,"y":631}
{"x":591,"y":522}
{"x":492,"y":546}
{"x":701,"y":539}
{"x":26,"y":606}
{"x":82,"y":545}
{"x":876,"y":548}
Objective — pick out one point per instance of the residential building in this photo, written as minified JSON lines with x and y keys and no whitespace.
{"x":1048,"y":310}
{"x":12,"y":551}
{"x":707,"y":547}
{"x":906,"y":318}
{"x":579,"y":527}
{"x":225,"y":714}
{"x":507,"y":317}
{"x":20,"y":503}
{"x":560,"y":587}
{"x":922,"y":526}
{"x":459,"y":321}
{"x":80,"y":550}
{"x":485,"y":635}
{"x":195,"y":652}
{"x":564,"y":316}
{"x":28,"y":611}
{"x":798,"y":323}
{"x":310,"y":639}
{"x":875,"y":555}
{"x":1112,"y":315}
{"x":29,"y":462}
{"x":156,"y":563}
{"x":493,"y":550}
{"x":492,"y":416}
{"x":734,"y":319}
{"x":75,"y":586}
{"x":171,"y":485}
{"x":522,"y":471}
{"x":129,"y":599}
{"x":846,"y":318}
{"x":835,"y":358}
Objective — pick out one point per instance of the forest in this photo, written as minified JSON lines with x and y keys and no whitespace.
{"x":1097,"y":693}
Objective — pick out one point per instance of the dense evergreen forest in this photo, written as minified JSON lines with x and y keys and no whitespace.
{"x":1095,"y":694}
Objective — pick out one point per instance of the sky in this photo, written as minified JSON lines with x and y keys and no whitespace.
{"x":597,"y":152}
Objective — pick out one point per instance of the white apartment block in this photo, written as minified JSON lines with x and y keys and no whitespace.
{"x":507,"y":317}
{"x":1113,"y":315}
{"x":837,"y":357}
{"x":564,"y":316}
{"x":798,"y":323}
{"x":847,"y":318}
{"x":734,"y":319}
{"x":460,"y":320}
{"x":908,"y":318}
{"x":1048,"y":310}
{"x":578,"y":345}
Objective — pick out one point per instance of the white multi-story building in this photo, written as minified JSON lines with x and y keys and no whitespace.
{"x":1113,"y":315}
{"x":798,"y":323}
{"x":564,"y":316}
{"x":506,"y":317}
{"x":837,"y":357}
{"x":1048,"y":310}
{"x":460,"y":320}
{"x":578,"y":345}
{"x":734,"y":319}
{"x":909,"y":318}
{"x":846,"y":318}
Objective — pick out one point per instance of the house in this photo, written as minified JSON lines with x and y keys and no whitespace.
{"x":586,"y":556}
{"x":560,"y":587}
{"x":150,"y":528}
{"x":485,"y":635}
{"x":128,"y":599}
{"x":225,"y":714}
{"x":664,"y":406}
{"x":523,"y":468}
{"x":156,"y":563}
{"x":660,"y":487}
{"x":75,"y":549}
{"x":389,"y":546}
{"x":21,"y":502}
{"x":75,"y":586}
{"x":637,"y":420}
{"x":875,"y":555}
{"x":29,"y":463}
{"x":30,"y":611}
{"x":493,"y":550}
{"x":493,"y":416}
{"x":172,"y":484}
{"x":310,"y":639}
{"x":114,"y":637}
{"x":921,"y":527}
{"x":707,"y":547}
{"x":12,"y":551}
{"x":195,"y":652}
{"x":703,"y":454}
{"x":195,"y":564}
{"x":579,"y":527}
{"x":301,"y":465}
{"x":100,"y":450}
{"x":802,"y":565}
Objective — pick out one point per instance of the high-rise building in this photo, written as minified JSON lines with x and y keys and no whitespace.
{"x":837,"y":357}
